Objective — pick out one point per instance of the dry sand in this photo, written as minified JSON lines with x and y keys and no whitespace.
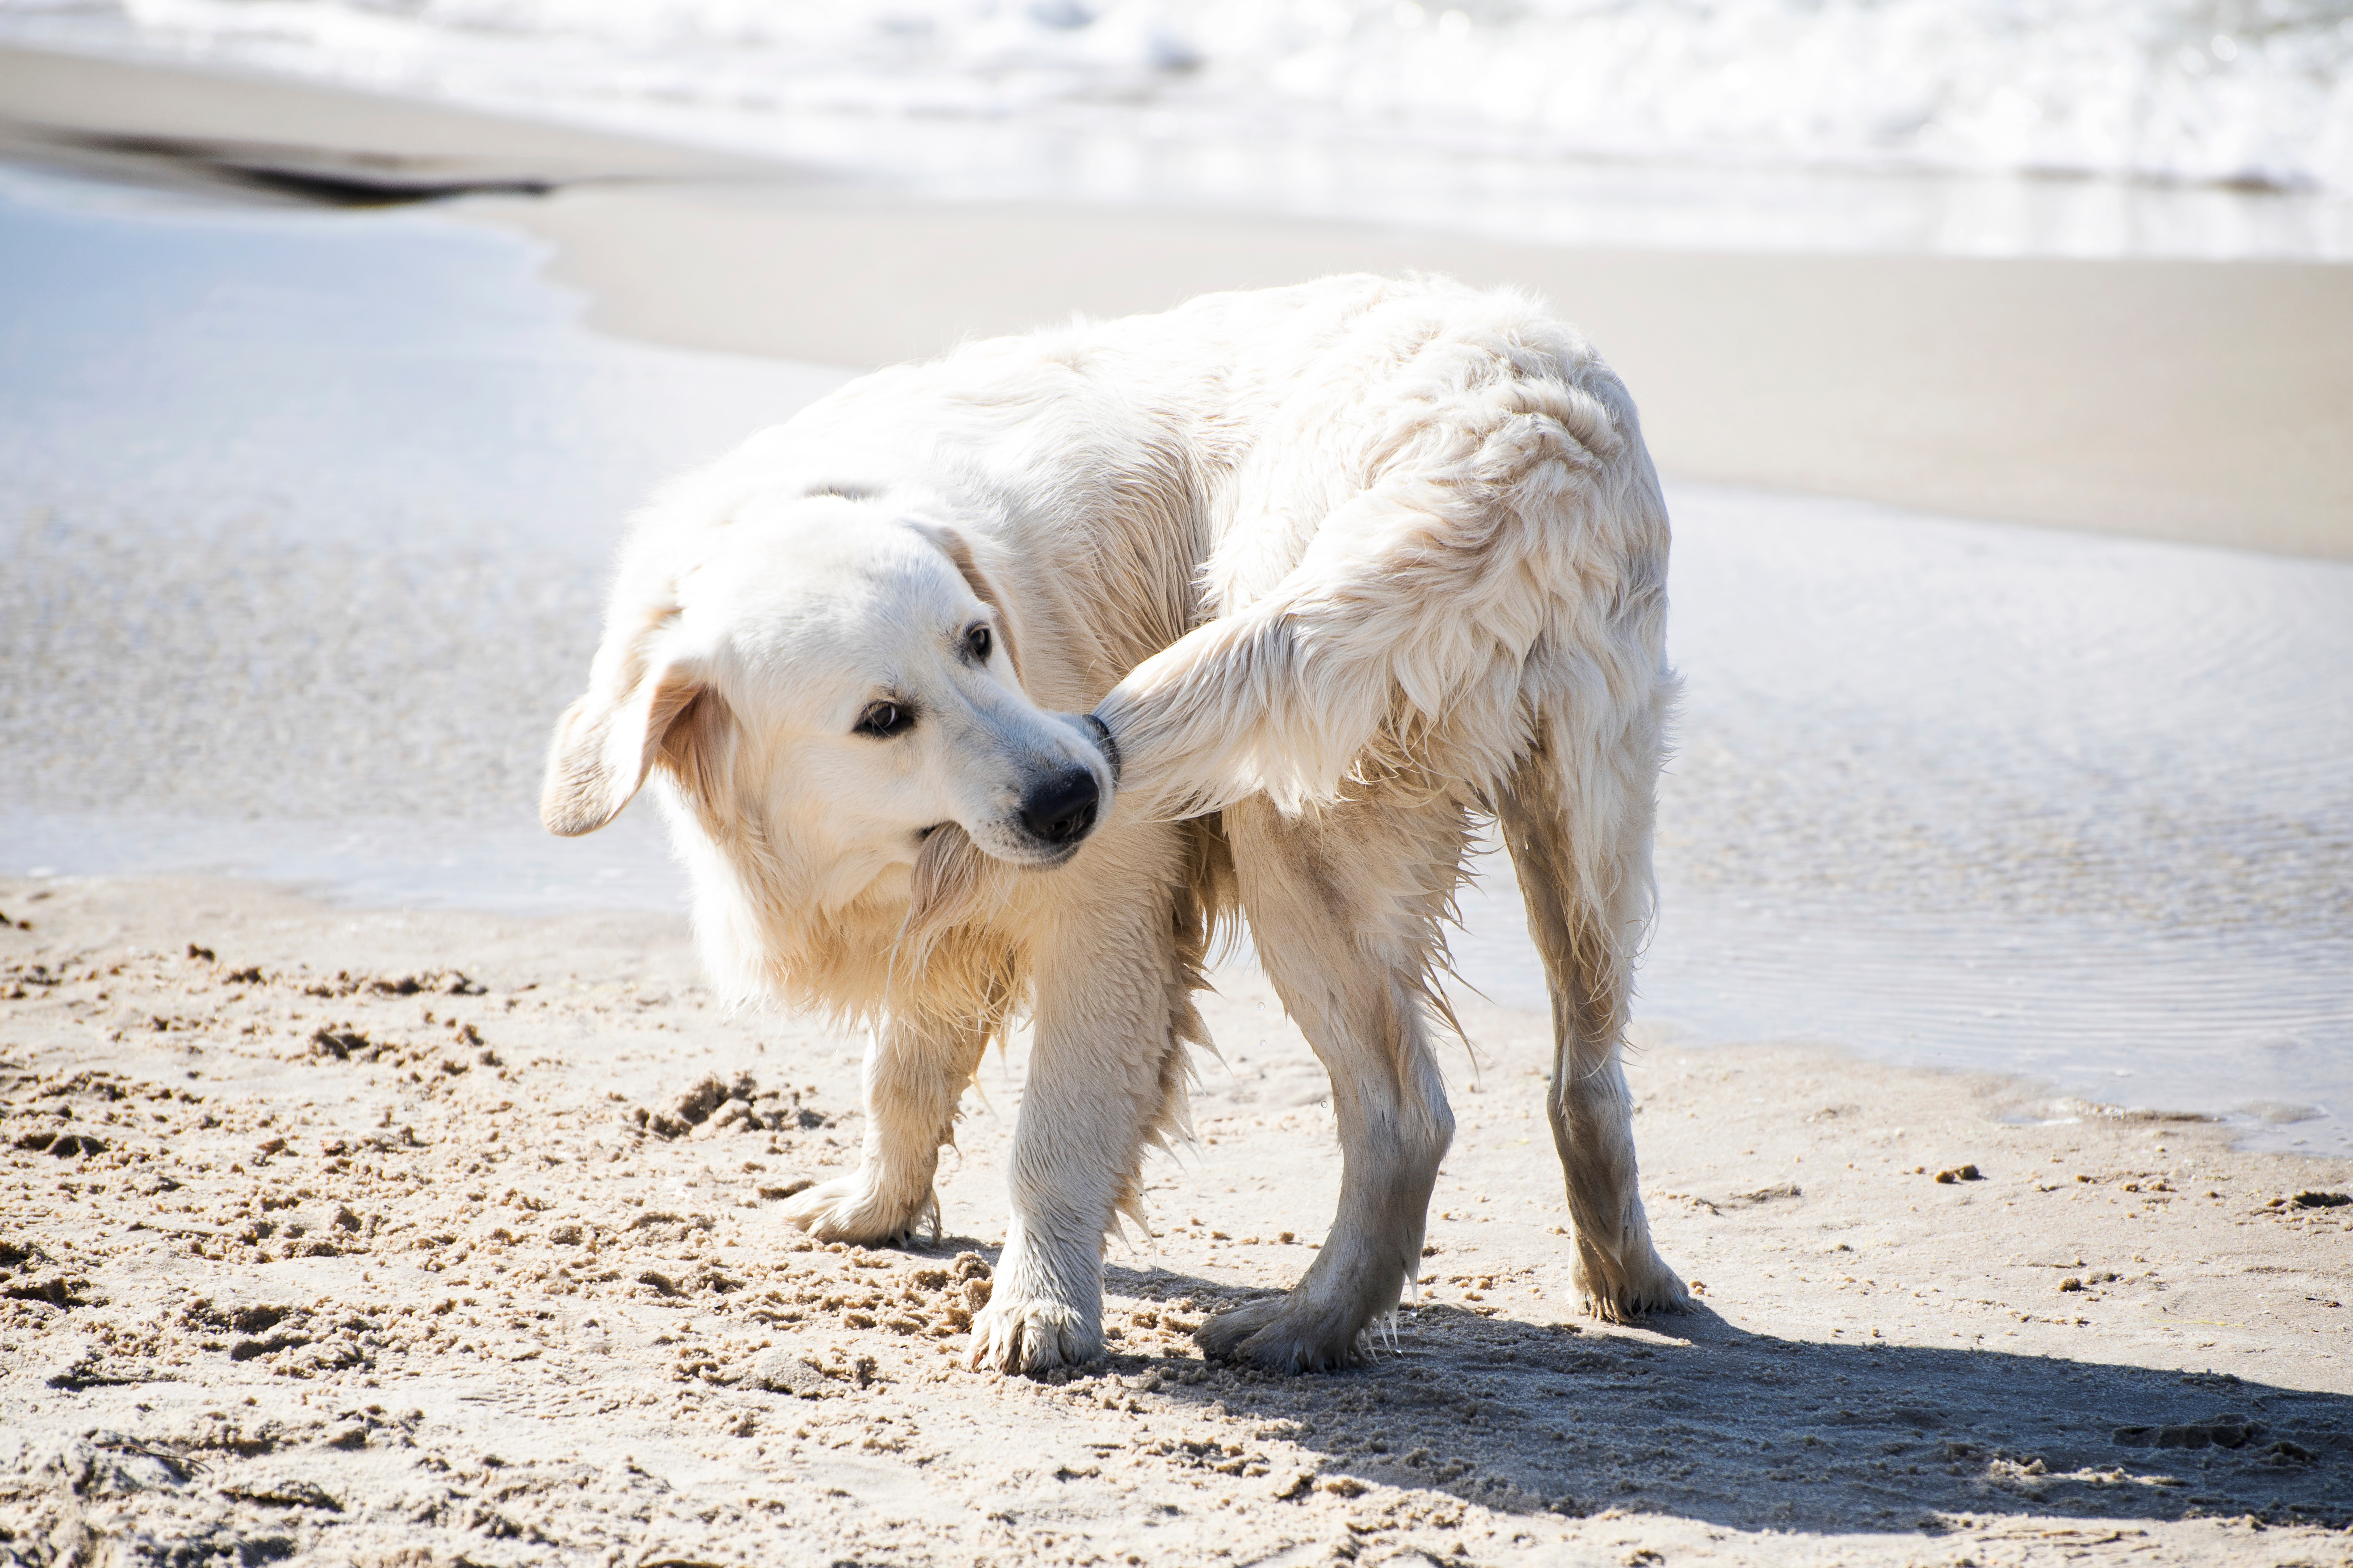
{"x":355,"y":1238}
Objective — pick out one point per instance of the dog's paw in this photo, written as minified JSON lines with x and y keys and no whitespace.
{"x":1280,"y":1334}
{"x":1016,"y":1337}
{"x":849,"y":1208}
{"x":1617,"y":1294}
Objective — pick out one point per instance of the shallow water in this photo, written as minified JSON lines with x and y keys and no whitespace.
{"x":307,"y":515}
{"x":1986,"y":795}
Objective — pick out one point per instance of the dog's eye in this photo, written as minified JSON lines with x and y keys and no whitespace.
{"x":883,"y":720}
{"x":977,"y":644}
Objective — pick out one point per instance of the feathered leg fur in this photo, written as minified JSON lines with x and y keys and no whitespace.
{"x":1588,"y":914}
{"x":917,"y":1066}
{"x":1345,"y":902}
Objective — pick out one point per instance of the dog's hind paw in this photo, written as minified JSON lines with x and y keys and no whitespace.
{"x":1276,"y":1334}
{"x":1618,"y":1295}
{"x":1017,"y":1337}
{"x":849,"y":1208}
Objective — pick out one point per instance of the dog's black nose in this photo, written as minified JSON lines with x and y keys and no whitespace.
{"x":1061,"y":810}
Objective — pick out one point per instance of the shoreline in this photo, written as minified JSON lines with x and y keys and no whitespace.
{"x":248,"y":129}
{"x":398,"y":1157}
{"x":369,"y":870}
{"x":2072,"y":393}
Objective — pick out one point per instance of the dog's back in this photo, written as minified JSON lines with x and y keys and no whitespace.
{"x":1177,"y":467}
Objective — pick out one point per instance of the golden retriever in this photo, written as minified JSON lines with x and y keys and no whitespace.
{"x":992,"y":685}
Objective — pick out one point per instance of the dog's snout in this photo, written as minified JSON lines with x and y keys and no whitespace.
{"x":1062,"y":809}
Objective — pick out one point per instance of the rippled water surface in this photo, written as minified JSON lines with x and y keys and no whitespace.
{"x":306,"y":515}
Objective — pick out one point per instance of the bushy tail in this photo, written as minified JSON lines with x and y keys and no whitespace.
{"x":1502,"y":510}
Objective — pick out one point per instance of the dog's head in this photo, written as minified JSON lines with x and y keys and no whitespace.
{"x":830,"y":676}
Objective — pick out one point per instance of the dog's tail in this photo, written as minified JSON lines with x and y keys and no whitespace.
{"x":1505,"y":514}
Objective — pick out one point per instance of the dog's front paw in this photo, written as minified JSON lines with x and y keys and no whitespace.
{"x":1015,"y":1336}
{"x":851,"y":1208}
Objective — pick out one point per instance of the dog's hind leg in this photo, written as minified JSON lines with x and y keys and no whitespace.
{"x":1588,"y":914}
{"x":1344,"y":904}
{"x":916,"y":1069}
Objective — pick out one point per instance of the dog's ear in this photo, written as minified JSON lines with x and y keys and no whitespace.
{"x":958,"y":547}
{"x":607,"y":741}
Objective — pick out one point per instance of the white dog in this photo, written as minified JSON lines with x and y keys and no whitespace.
{"x":1333,"y":573}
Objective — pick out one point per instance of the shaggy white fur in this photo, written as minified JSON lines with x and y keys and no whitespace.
{"x":998,"y":682}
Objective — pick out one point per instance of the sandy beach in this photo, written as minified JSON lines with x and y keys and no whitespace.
{"x":377,"y":1238}
{"x":351,"y":1235}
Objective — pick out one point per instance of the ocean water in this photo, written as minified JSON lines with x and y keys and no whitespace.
{"x":304,"y":517}
{"x":2212,"y":128}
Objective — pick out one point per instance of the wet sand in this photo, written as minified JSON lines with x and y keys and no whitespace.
{"x":358,"y":1238}
{"x":2202,"y":402}
{"x":306,"y":141}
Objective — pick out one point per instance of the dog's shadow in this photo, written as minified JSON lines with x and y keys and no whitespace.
{"x":1690,"y":1416}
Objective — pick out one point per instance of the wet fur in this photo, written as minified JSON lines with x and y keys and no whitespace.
{"x":1341,"y":572}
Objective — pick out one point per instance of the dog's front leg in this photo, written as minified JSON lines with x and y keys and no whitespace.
{"x":916,"y":1070}
{"x":1106,"y":1076}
